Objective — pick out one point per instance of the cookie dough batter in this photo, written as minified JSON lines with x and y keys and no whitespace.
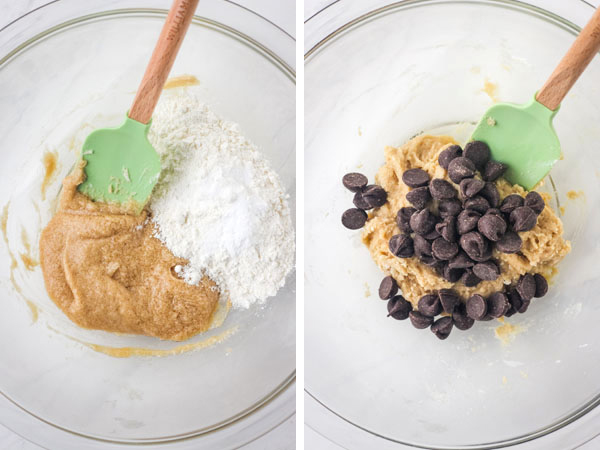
{"x":543,"y":246}
{"x":106,"y":270}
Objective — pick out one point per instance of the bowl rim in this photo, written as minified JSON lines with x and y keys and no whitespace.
{"x":282,"y":396}
{"x":326,"y":18}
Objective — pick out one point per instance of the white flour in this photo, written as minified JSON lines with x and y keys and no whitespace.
{"x":218,"y":204}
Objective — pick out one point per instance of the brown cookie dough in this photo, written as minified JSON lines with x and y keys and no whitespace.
{"x":106,"y":270}
{"x":543,"y":246}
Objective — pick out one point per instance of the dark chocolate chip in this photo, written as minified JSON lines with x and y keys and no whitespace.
{"x":415,"y":178}
{"x":422,"y":222}
{"x":422,"y":246}
{"x":354,"y":218}
{"x":388,"y":288}
{"x":493,"y":170}
{"x":361,"y":202}
{"x":491,"y":194}
{"x":467,"y":221}
{"x":448,"y":154}
{"x":441,"y":189}
{"x":444,"y":250}
{"x":419,"y":320}
{"x":526,"y":287}
{"x":477,"y":203}
{"x":469,"y":187}
{"x":442,"y":327}
{"x":541,"y":285}
{"x":498,"y":304}
{"x":469,"y":279}
{"x":496,"y":212}
{"x":535,"y":202}
{"x":399,"y":308}
{"x":354,"y":181}
{"x":461,"y":320}
{"x":449,"y":299}
{"x":419,"y":197}
{"x":475,"y":246}
{"x":478,"y":152}
{"x":429,"y":305}
{"x":403,"y":218}
{"x":476,"y":307}
{"x":401,"y":245}
{"x":449,"y":208}
{"x":461,"y":261}
{"x":430,"y":261}
{"x":511,"y":202}
{"x":523,"y":218}
{"x":492,"y":226}
{"x":524,"y":307}
{"x":447,"y":229}
{"x":461,"y":168}
{"x":433,"y":234}
{"x":515,"y":302}
{"x":487,"y":270}
{"x":451,"y":275}
{"x":510,"y":242}
{"x":374,"y":195}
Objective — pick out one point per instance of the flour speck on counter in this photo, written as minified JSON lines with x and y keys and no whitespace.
{"x":218,"y":204}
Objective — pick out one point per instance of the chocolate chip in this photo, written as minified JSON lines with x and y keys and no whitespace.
{"x":422,"y":222}
{"x":526,"y":287}
{"x":429,"y":305}
{"x":467,"y":221}
{"x":430,"y":261}
{"x":442,"y":327}
{"x":510,"y":242}
{"x":398,"y":307}
{"x":449,"y":299}
{"x":477,"y":203}
{"x":461,"y":168}
{"x":422,"y":246}
{"x":449,"y":208}
{"x":476,"y":307}
{"x":419,"y":320}
{"x":493,"y":170}
{"x":441,"y":189}
{"x":523,"y":218}
{"x":403,"y":218}
{"x":433,"y":234}
{"x":449,"y":274}
{"x":535,"y":202}
{"x":498,"y":304}
{"x":487,"y":270}
{"x":461,"y":261}
{"x":514,"y":299}
{"x":470,"y":187}
{"x":401,"y":245}
{"x":478,"y":152}
{"x":448,"y":154}
{"x":469,"y":279}
{"x":475,"y":246}
{"x":511,"y":202}
{"x":354,"y":218}
{"x":461,"y":320}
{"x":415,"y":178}
{"x":541,"y":285}
{"x":354,"y":182}
{"x":419,"y":197}
{"x":496,"y":212}
{"x":444,"y":250}
{"x":492,"y":227}
{"x":388,"y":288}
{"x":447,"y":229}
{"x":374,"y":195}
{"x":491,"y":194}
{"x":360,"y":202}
{"x":524,"y":307}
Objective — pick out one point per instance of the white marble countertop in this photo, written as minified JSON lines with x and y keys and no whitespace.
{"x":282,"y":13}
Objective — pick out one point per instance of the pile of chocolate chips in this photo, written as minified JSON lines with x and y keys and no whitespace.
{"x":366,"y":196}
{"x":458,"y":313}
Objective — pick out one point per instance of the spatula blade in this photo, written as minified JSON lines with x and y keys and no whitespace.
{"x":522,"y":137}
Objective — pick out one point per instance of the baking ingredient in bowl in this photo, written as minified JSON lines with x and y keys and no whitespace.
{"x":218,"y":204}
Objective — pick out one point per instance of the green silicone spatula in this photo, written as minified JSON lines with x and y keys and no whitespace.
{"x":522,"y":136}
{"x":121,"y":164}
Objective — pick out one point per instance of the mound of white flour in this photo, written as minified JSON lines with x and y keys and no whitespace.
{"x":218,"y":204}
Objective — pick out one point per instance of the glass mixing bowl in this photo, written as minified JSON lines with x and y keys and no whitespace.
{"x":72,"y":66}
{"x":376,"y":77}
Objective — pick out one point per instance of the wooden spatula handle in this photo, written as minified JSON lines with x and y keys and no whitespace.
{"x":162,"y":59}
{"x":572,"y":65}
